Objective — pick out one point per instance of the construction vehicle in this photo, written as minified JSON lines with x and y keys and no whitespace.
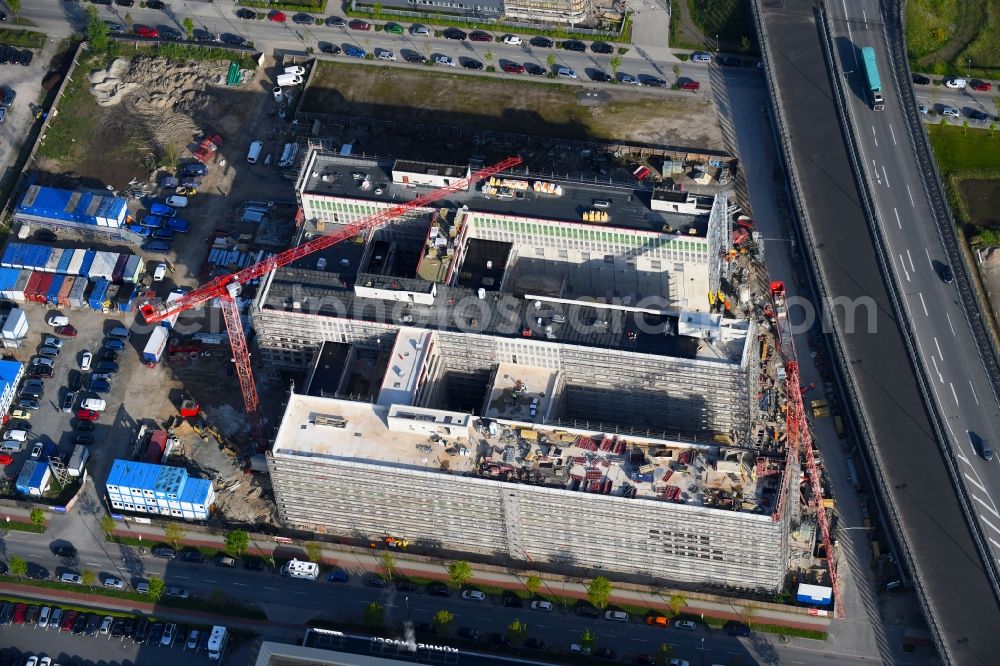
{"x":207,"y":148}
{"x":227,"y":287}
{"x":874,"y":82}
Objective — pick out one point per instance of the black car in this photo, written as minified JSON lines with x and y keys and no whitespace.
{"x":125,"y":3}
{"x":602,"y":47}
{"x":500,"y":640}
{"x":604,"y":653}
{"x":653,"y":81}
{"x":106,"y":367}
{"x":37,"y":572}
{"x":944,"y":272}
{"x":736,"y":629}
{"x":413,"y":56}
{"x":535,"y":644}
{"x":34,"y":392}
{"x":26,"y":57}
{"x":425,"y":628}
{"x":167,"y":32}
{"x":533,"y":69}
{"x":511,"y":600}
{"x":80,"y":623}
{"x":141,"y":630}
{"x":328,"y":48}
{"x":195,"y":556}
{"x":129,"y":630}
{"x":93,"y":624}
{"x":253,"y":564}
{"x":155,"y":4}
{"x":83,"y":439}
{"x":247,"y":14}
{"x":600,"y":76}
{"x":976,"y":114}
{"x":454,"y":33}
{"x":303,"y":19}
{"x":75,"y":380}
{"x":181,"y":635}
{"x":164,"y":552}
{"x":374,"y":580}
{"x":83,"y":425}
{"x":68,"y":400}
{"x":40,"y":372}
{"x":471,"y":63}
{"x":5,"y":54}
{"x":109,"y":355}
{"x":583,"y":609}
{"x":202,"y":35}
{"x":155,"y":633}
{"x":68,"y":552}
{"x":921,"y":80}
{"x":438,"y":590}
{"x":541,"y":42}
{"x":231,"y":39}
{"x":574,"y":45}
{"x":468,"y":632}
{"x":730,"y":61}
{"x":118,"y":627}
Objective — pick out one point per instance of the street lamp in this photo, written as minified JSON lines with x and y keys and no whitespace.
{"x":969,"y":61}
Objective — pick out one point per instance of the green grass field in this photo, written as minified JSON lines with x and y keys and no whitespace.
{"x":969,"y":160}
{"x":959,"y":149}
{"x":944,"y":35}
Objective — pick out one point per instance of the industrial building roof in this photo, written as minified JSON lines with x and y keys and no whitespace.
{"x":70,"y":206}
{"x":10,"y":373}
{"x":333,"y":175}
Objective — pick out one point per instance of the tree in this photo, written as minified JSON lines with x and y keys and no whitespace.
{"x":442,"y":619}
{"x":965,"y":126}
{"x":108,"y":524}
{"x":156,"y":587}
{"x":459,"y":572}
{"x":89,"y":577}
{"x":15,"y":6}
{"x":174,"y":534}
{"x":517,"y":631}
{"x":615,"y":63}
{"x":377,"y":10}
{"x":237,"y":542}
{"x":677,"y":71}
{"x":488,"y":56}
{"x":375,"y":614}
{"x":17,"y":566}
{"x":128,"y":20}
{"x":744,"y":44}
{"x":97,"y":30}
{"x":533,"y":584}
{"x":676,"y":603}
{"x":587,"y":639}
{"x":666,"y":651}
{"x":551,"y":61}
{"x":314,"y":552}
{"x":599,"y":591}
{"x":38,"y":519}
{"x":993,"y":127}
{"x":188,"y":24}
{"x":388,"y":563}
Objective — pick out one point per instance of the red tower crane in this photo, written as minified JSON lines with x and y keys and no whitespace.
{"x":799,"y":437}
{"x":227,"y":287}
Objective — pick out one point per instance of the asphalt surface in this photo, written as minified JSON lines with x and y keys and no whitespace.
{"x":947,"y":564}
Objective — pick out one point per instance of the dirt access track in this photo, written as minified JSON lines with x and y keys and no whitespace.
{"x":607,"y":113}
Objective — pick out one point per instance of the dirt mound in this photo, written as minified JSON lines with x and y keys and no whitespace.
{"x":107,"y":85}
{"x":159,"y":84}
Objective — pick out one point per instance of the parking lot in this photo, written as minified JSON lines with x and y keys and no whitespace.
{"x":26,"y":82}
{"x":90,"y":646}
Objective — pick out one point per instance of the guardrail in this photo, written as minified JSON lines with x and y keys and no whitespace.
{"x":935,"y":193}
{"x":859,"y":415}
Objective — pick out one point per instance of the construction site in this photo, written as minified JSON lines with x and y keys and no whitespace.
{"x":541,"y":370}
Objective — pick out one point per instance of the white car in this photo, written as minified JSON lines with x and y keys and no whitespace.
{"x":159,"y":272}
{"x":385,"y":54}
{"x":541,"y":606}
{"x":616,"y":616}
{"x":86,"y":358}
{"x":52,"y":341}
{"x":94,"y":404}
{"x":956,"y":83}
{"x":168,"y":635}
{"x":177,"y":201}
{"x":474,"y":595}
{"x":444,"y":60}
{"x":45,"y":661}
{"x":700,"y":56}
{"x":32,"y":661}
{"x":36,"y":451}
{"x":565,"y":72}
{"x":106,"y":624}
{"x":17,"y":435}
{"x":511,"y":39}
{"x":950,"y":111}
{"x":57,"y":320}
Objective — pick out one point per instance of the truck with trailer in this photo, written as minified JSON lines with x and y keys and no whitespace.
{"x":874,"y":82}
{"x":153,"y":350}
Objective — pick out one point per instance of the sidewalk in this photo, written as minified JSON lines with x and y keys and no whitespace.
{"x":359,"y":561}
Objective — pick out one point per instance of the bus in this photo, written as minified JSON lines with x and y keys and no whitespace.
{"x":217,"y":642}
{"x":300,"y":569}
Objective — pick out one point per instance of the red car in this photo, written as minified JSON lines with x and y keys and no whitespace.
{"x":146,"y":31}
{"x":480,"y":36}
{"x":358,"y":24}
{"x":87,"y":415}
{"x":67,"y":621}
{"x":277,"y":17}
{"x":690,"y":85}
{"x":67,"y":331}
{"x":513,"y":68}
{"x":981,"y":86}
{"x":5,"y":459}
{"x":19,"y":611}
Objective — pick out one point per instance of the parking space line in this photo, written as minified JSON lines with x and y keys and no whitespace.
{"x":975,"y":483}
{"x":991,"y":525}
{"x":991,"y":509}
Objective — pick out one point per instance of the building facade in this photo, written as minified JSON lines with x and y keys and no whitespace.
{"x":159,"y":489}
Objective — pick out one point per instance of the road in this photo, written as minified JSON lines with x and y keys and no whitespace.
{"x":961,"y":384}
{"x":928,"y":514}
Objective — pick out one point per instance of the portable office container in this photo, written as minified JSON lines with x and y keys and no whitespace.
{"x":78,"y":292}
{"x":88,"y":262}
{"x":55,"y":286}
{"x":75,"y":262}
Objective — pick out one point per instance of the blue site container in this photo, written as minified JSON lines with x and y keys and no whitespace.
{"x":52,"y":295}
{"x":97,"y":294}
{"x":64,"y":262}
{"x":88,"y":261}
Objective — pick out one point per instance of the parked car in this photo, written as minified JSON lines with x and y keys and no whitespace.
{"x":116,"y":583}
{"x":454,"y":33}
{"x":616,"y":616}
{"x":176,"y":592}
{"x":246,"y":14}
{"x":693,"y":86}
{"x":358,"y":24}
{"x":955,"y":83}
{"x":87,"y":415}
{"x":542,"y":42}
{"x":114,"y":344}
{"x":981,"y":86}
{"x":67,"y":331}
{"x":164,"y":552}
{"x":602,"y":47}
{"x":115,"y":28}
{"x":921,"y":80}
{"x":701,"y":56}
{"x":480,"y":36}
{"x":331,"y":49}
{"x":192,"y":555}
{"x":277,"y":17}
{"x":232,"y":40}
{"x":513,"y":68}
{"x":444,"y":60}
{"x":541,"y":606}
{"x":511,"y":39}
{"x":70,"y":577}
{"x":146,"y":31}
{"x":51,"y":352}
{"x":303,"y":19}
{"x":336,"y":22}
{"x":438,"y":590}
{"x":471,"y":63}
{"x":686,"y":625}
{"x":736,"y":629}
{"x":473,"y":595}
{"x":574,"y":45}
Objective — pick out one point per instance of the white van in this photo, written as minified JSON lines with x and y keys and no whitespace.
{"x":254,"y":153}
{"x":94,"y":404}
{"x":285,"y":80}
{"x":296,"y":70}
{"x":11,"y":446}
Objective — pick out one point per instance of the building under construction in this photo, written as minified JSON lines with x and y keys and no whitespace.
{"x":543,"y":370}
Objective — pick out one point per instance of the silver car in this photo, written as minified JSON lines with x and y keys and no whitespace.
{"x":950,"y":111}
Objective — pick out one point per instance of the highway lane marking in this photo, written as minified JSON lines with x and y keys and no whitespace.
{"x":973,"y":391}
{"x":940,"y":376}
{"x":273,"y":589}
{"x":911,"y":196}
{"x":948,"y":317}
{"x":886,"y":177}
{"x":902,"y":265}
{"x":957,"y":403}
{"x":898,"y":222}
{"x":875,"y":136}
{"x":242,"y":584}
{"x":921,"y":295}
{"x":993,"y":542}
{"x":975,"y":483}
{"x":187,"y":577}
{"x":297,"y":592}
{"x":893,"y":134}
{"x":912,"y":267}
{"x":847,"y":22}
{"x":93,"y":564}
{"x":929,"y":262}
{"x":939,"y":349}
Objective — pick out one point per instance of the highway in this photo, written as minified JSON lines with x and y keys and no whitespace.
{"x":948,"y":570}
